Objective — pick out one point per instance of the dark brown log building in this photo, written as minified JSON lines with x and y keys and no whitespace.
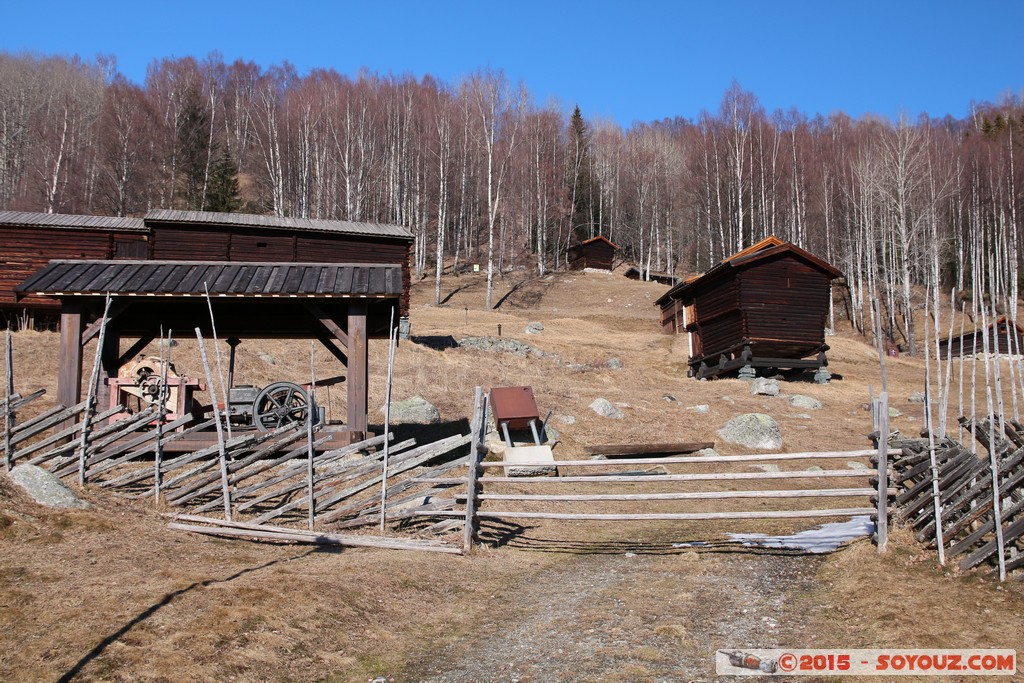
{"x":597,"y":252}
{"x":339,"y":282}
{"x":763,"y":307}
{"x":1003,"y":337}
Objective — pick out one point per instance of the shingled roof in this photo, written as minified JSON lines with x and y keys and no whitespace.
{"x":185,"y":278}
{"x":34,"y":219}
{"x":278,"y":223}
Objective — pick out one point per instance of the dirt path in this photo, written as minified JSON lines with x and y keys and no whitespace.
{"x":644,"y":617}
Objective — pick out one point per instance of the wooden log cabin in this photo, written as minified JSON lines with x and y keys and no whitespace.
{"x":339,"y":282}
{"x":597,"y":253}
{"x":1004,"y":337}
{"x":31,"y":239}
{"x":763,"y":307}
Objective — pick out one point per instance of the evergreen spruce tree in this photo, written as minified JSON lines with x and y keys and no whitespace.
{"x":222,"y":193}
{"x":586,"y":189}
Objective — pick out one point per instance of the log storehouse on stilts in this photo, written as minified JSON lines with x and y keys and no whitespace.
{"x":763,"y":307}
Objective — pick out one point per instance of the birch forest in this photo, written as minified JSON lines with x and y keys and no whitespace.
{"x":911,"y":211}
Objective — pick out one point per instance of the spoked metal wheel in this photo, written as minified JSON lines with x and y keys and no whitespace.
{"x":279,"y":405}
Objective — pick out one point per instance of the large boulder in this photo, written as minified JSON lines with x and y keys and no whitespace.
{"x":752,"y":430}
{"x":804,"y":402}
{"x":45,"y":488}
{"x":762,"y":386}
{"x":604,"y":408}
{"x":414,"y":410}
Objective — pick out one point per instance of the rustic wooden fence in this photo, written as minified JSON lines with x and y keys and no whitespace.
{"x":960,"y":503}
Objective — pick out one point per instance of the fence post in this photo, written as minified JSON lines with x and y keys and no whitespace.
{"x":8,"y":400}
{"x":472,"y":521}
{"x":880,"y":410}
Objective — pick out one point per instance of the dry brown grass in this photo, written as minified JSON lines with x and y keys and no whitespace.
{"x":111,"y":594}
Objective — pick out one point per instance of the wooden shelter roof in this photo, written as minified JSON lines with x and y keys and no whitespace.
{"x":766,"y":248}
{"x":32,"y":219}
{"x":158,"y":216}
{"x":600,"y":238}
{"x":230,"y":279}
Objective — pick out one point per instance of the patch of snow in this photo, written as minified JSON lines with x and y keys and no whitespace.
{"x":825,"y":538}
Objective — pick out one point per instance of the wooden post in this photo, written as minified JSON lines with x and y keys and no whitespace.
{"x":69,"y":378}
{"x":392,"y":340}
{"x":8,"y":393}
{"x":311,"y":411}
{"x":165,"y":358}
{"x":220,"y":369}
{"x":881,"y":408}
{"x":220,"y":429}
{"x":90,"y":401}
{"x":472,"y":500}
{"x":357,"y":367}
{"x":929,"y":425}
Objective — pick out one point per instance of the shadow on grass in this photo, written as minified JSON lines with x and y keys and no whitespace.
{"x":166,"y":600}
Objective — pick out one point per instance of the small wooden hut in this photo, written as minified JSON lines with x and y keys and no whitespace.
{"x":763,"y":307}
{"x":1004,"y":337}
{"x":597,"y":253}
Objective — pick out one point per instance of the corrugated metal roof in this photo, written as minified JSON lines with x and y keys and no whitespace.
{"x":278,"y":223}
{"x":190,"y":278}
{"x":62,"y":220}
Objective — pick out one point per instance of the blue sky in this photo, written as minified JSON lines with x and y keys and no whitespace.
{"x":629,"y":61}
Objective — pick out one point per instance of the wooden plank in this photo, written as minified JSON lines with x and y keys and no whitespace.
{"x":655,"y":516}
{"x":614,"y":450}
{"x":472,"y":488}
{"x":69,"y":374}
{"x":357,"y":366}
{"x":692,"y":495}
{"x":701,"y":459}
{"x":654,"y":478}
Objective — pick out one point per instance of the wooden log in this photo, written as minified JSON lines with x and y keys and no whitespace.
{"x":97,"y":439}
{"x":972,"y":539}
{"x":20,"y":401}
{"x":41,"y":423}
{"x":90,"y":400}
{"x":655,"y":478}
{"x":330,"y":494}
{"x":211,"y":482}
{"x":132,"y":448}
{"x":618,"y":450}
{"x":222,"y":458}
{"x":318,"y":538}
{"x":691,"y":460}
{"x":993,"y":546}
{"x":57,"y":437}
{"x":472,"y":487}
{"x":693,"y":495}
{"x":364,"y":506}
{"x":133,"y":477}
{"x":655,"y":516}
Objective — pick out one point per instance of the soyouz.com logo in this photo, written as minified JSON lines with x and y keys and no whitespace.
{"x":779,"y":662}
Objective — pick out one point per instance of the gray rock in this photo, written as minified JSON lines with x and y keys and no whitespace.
{"x":815,"y":468}
{"x":728,"y":399}
{"x":566,"y":419}
{"x":266,"y":358}
{"x":614,"y":364}
{"x":502,"y":344}
{"x":894,"y":413}
{"x":604,"y":408}
{"x":708,"y":453}
{"x":700,"y":409}
{"x":670,"y":398}
{"x":805,"y":402}
{"x":414,"y":410}
{"x":854,"y":465}
{"x":752,"y":430}
{"x":768,"y":468}
{"x":762,"y":386}
{"x":916,"y":397}
{"x":551,"y":433}
{"x":45,"y":488}
{"x":801,"y":416}
{"x":534,"y":328}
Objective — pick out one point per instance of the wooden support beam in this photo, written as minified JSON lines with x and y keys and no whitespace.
{"x":327,"y":321}
{"x":117,"y":307}
{"x":329,"y":344}
{"x":69,"y":374}
{"x":358,"y":362}
{"x":135,"y":349}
